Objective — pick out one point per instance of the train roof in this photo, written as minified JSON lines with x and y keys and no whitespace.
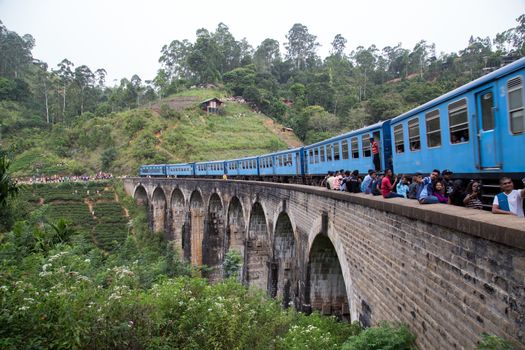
{"x":179,"y":164}
{"x":290,"y":150}
{"x":210,"y":161}
{"x":243,"y":158}
{"x":368,"y":128}
{"x":508,"y":69}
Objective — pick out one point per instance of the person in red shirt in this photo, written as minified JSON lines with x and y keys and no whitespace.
{"x":387,"y":186}
{"x":375,"y":153}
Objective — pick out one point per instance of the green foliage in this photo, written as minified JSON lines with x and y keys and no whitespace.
{"x":383,"y":337}
{"x":107,"y":157}
{"x":492,"y":342}
{"x":232,"y":263}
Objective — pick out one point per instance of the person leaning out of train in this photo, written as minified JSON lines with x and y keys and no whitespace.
{"x":367,"y":180}
{"x":509,"y":201}
{"x":402,"y":186}
{"x":426,"y":190}
{"x":387,"y":186}
{"x":440,"y":192}
{"x":473,"y":198}
{"x":413,"y":188}
{"x":375,"y":153}
{"x":447,"y":181}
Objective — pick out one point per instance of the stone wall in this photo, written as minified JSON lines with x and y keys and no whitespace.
{"x":449,"y":273}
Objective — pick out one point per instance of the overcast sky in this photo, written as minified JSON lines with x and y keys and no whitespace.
{"x":125,"y":36}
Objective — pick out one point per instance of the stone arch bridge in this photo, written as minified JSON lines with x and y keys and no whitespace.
{"x":450,"y":273}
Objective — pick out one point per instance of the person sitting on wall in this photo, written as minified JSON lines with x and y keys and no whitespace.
{"x":330,"y":180}
{"x":440,"y":192}
{"x":353,"y":183}
{"x":447,"y":181}
{"x":375,"y":186}
{"x":402,"y":186}
{"x":413,"y":189}
{"x":344,"y":181}
{"x":509,"y":201}
{"x":458,"y":194}
{"x":426,"y":191}
{"x":387,"y":186}
{"x":473,"y":198}
{"x":367,"y":180}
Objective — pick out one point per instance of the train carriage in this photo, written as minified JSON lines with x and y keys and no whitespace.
{"x":247,"y":166}
{"x":282,"y":163}
{"x":213,"y":168}
{"x":182,"y":169}
{"x":153,"y":170}
{"x":350,"y":151}
{"x":476,"y":130}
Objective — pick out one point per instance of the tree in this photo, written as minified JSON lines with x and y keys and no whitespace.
{"x":65,"y":74}
{"x":301,"y":47}
{"x":266,"y":55}
{"x":84,"y":79}
{"x":174,"y":60}
{"x":204,"y":59}
{"x":338,"y":46}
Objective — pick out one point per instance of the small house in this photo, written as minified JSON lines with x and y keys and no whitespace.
{"x":211,"y":105}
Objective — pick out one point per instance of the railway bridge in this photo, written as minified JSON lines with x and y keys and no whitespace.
{"x":450,"y":273}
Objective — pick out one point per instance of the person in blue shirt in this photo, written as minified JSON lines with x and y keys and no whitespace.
{"x":426,"y":190}
{"x":402,"y":186}
{"x":366,"y":181}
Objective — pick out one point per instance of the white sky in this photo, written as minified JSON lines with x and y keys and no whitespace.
{"x":125,"y":37}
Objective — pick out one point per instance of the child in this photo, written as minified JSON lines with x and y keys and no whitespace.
{"x":440,"y":192}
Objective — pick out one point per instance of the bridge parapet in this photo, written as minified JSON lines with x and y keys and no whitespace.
{"x":450,"y":273}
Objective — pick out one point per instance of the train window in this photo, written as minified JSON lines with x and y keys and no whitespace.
{"x":433,"y":129}
{"x":399,"y":138}
{"x":458,"y":121}
{"x":365,"y":144}
{"x":487,"y":117}
{"x":355,"y":147}
{"x":328,"y":152}
{"x":337,"y":151}
{"x":344,"y":146}
{"x":316,"y":155}
{"x":413,"y":134}
{"x":321,"y":154}
{"x":516,"y":114}
{"x":310,"y":156}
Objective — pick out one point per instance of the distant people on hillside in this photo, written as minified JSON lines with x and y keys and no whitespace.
{"x":509,"y":201}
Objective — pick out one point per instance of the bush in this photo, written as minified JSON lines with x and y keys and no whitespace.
{"x":383,"y":337}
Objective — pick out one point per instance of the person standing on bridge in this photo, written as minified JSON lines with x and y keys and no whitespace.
{"x":509,"y":201}
{"x":375,"y":153}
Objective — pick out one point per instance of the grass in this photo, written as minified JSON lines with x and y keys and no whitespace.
{"x":139,"y":137}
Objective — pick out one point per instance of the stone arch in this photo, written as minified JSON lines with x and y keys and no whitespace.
{"x":141,"y":195}
{"x":325,"y":284}
{"x":177,"y":219}
{"x":158,"y":209}
{"x":213,"y":242}
{"x":235,"y":228}
{"x":257,"y":249}
{"x":283,"y":271}
{"x":195,"y":230}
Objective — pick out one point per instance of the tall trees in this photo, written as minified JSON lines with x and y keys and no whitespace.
{"x":267,"y":55}
{"x":301,"y":47}
{"x":65,"y":75}
{"x":84,"y":79}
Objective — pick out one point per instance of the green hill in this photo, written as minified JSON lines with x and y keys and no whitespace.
{"x":172,"y":130}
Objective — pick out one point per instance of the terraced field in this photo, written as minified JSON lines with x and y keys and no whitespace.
{"x":90,"y":206}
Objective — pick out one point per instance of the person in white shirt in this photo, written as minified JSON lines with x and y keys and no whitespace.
{"x":509,"y":201}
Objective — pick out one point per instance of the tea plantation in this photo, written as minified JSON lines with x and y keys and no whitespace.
{"x":91,"y":207}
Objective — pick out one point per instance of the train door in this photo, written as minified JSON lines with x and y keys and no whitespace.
{"x":487,"y":139}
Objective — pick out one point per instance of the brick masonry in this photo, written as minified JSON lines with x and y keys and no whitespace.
{"x":450,"y":273}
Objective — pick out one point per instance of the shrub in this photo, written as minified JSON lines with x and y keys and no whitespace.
{"x":383,"y":337}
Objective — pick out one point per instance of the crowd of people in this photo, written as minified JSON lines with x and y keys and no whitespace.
{"x":59,"y":178}
{"x":437,"y":187}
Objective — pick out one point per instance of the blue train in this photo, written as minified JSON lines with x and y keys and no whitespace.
{"x":477,"y":130}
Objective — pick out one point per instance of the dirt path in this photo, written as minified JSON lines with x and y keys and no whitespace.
{"x":287,"y":136}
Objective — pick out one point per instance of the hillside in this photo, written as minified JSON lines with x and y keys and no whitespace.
{"x":169,"y":131}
